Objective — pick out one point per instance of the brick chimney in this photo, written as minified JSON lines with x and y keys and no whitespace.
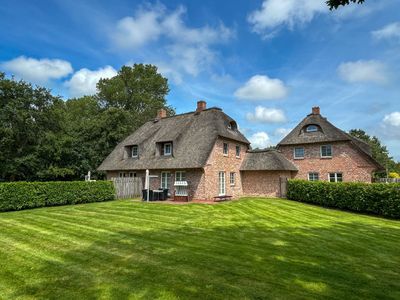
{"x":201,"y":105}
{"x":161,"y":113}
{"x":315,"y":110}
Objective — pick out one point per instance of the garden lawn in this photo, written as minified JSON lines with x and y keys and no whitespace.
{"x":255,"y":248}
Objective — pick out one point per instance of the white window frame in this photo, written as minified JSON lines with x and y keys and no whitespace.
{"x":227,"y":149}
{"x":313,"y":130}
{"x":165,"y":148}
{"x":122,"y":174}
{"x":132,"y":174}
{"x":326,"y":156}
{"x":294,"y":153}
{"x":180,"y":176}
{"x":335,"y":177}
{"x":165,"y":180}
{"x":232,"y":178}
{"x":221,"y":183}
{"x":238,"y":152}
{"x":313,"y":173}
{"x":137,"y":151}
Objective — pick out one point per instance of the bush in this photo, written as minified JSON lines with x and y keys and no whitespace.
{"x":378,"y":198}
{"x":23,"y":195}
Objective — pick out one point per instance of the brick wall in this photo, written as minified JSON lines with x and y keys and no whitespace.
{"x":217,"y":162}
{"x":263,"y":183}
{"x":346,"y":159}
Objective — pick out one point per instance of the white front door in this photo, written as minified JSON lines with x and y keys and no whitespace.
{"x":221,"y":181}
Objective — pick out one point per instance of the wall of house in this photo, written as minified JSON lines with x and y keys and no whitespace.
{"x":217,"y":162}
{"x":346,"y":159}
{"x":263,"y":183}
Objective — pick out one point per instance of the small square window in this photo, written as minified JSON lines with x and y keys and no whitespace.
{"x":335,"y":177}
{"x":298,"y":152}
{"x":313,"y":176}
{"x":237,"y":151}
{"x":326,"y":151}
{"x":232,"y":178}
{"x":225,"y":149}
{"x":168,"y":149}
{"x":132,"y":174}
{"x":135,"y":151}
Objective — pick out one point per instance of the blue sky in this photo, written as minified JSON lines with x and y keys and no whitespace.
{"x":265,"y":62}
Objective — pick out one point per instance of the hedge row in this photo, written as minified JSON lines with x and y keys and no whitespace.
{"x":378,"y":198}
{"x":23,"y":195}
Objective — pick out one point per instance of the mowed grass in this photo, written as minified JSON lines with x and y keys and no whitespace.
{"x":247,"y":249}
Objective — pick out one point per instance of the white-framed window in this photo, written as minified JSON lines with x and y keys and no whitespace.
{"x":132,"y":174}
{"x":335,"y":177}
{"x":168,"y":149}
{"x":237,"y":151}
{"x":165,"y":180}
{"x":221,"y":183}
{"x":135,"y":151}
{"x":298,"y":152}
{"x":225,"y":149}
{"x":326,"y":151}
{"x":180,"y":176}
{"x":313,"y":176}
{"x":122,"y":174}
{"x":232,"y":178}
{"x":312,"y":128}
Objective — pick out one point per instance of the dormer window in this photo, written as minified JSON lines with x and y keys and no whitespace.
{"x":135,"y":151}
{"x":167,"y":147}
{"x":232,"y":125}
{"x":312,"y":128}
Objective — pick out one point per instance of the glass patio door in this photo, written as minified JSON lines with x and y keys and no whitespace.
{"x":221,"y":181}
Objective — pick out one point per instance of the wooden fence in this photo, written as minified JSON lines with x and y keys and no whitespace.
{"x":127,"y":187}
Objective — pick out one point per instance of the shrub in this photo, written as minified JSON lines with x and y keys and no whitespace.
{"x":394,"y":175}
{"x":23,"y":195}
{"x":378,"y":198}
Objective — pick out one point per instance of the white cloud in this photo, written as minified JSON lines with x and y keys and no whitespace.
{"x":276,"y":13}
{"x":84,"y":81}
{"x":180,"y":48}
{"x":392,"y":119}
{"x":391,"y":125}
{"x":260,"y":140}
{"x":363,"y":71}
{"x":389,"y":32}
{"x":261,"y":87}
{"x":37,"y":70}
{"x":266,"y":115}
{"x":282,"y":132}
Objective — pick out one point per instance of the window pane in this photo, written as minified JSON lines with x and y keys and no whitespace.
{"x":326,"y":150}
{"x":339,"y":177}
{"x":225,"y":148}
{"x":332,"y":177}
{"x":238,"y":151}
{"x":134,"y":151}
{"x":299,"y":152}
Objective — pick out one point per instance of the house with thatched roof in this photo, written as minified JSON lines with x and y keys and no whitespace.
{"x":202,"y":155}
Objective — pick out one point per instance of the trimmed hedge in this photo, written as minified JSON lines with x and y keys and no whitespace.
{"x":376,"y":198}
{"x":23,"y":195}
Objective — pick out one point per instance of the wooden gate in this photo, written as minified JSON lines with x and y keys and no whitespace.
{"x":127,"y":187}
{"x":283,"y":187}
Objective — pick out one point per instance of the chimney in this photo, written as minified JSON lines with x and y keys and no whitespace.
{"x":161,"y":113}
{"x":201,"y":105}
{"x":315,"y":110}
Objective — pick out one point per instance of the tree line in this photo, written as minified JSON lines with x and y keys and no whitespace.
{"x":43,"y":137}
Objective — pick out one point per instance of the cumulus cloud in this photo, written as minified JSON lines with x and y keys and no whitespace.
{"x":289,"y":13}
{"x":389,"y":32}
{"x":84,"y":81}
{"x":266,"y":115}
{"x":391,"y":125}
{"x":260,"y":140}
{"x":37,"y":70}
{"x":184,"y":49}
{"x":261,"y":87}
{"x":363,"y":71}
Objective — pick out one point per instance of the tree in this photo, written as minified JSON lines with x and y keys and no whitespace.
{"x":379,"y":152}
{"x":334,"y":4}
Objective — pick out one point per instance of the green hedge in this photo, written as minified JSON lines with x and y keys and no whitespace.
{"x":23,"y":195}
{"x":377,"y":198}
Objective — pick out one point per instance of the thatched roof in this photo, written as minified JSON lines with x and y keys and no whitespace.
{"x":266,"y":160}
{"x":327,"y":132}
{"x":193,"y":136}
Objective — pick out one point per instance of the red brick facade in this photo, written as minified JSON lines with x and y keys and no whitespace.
{"x":263,"y":183}
{"x":346,"y":159}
